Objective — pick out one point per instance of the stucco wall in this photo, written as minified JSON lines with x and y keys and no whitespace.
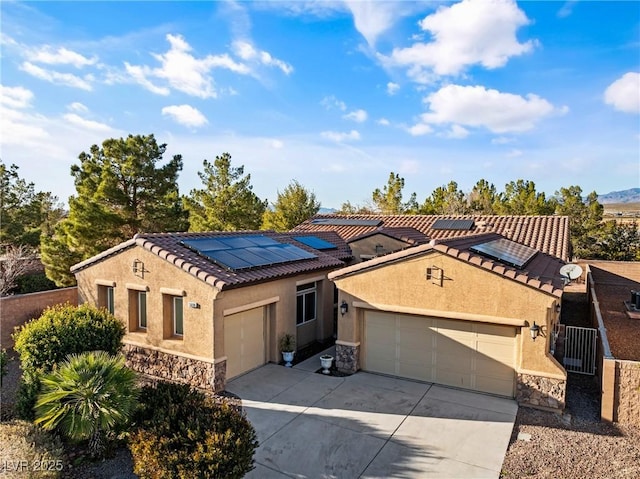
{"x":17,"y":310}
{"x":367,"y":246}
{"x":204,"y":326}
{"x":466,"y":289}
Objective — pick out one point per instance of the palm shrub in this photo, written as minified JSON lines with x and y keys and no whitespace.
{"x":87,"y":397}
{"x":181,"y":433}
{"x":60,"y":330}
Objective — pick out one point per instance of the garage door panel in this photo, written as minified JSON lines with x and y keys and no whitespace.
{"x":244,"y":338}
{"x":456,"y":353}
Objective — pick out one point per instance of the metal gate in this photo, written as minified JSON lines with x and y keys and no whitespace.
{"x":580,"y":350}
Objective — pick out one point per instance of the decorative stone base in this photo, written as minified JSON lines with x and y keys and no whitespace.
{"x":541,"y":392}
{"x":220,"y":371}
{"x":347,"y":358}
{"x":170,"y":367}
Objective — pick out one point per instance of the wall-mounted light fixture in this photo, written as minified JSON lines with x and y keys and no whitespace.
{"x":558,"y":308}
{"x":534,"y":330}
{"x":344,"y":307}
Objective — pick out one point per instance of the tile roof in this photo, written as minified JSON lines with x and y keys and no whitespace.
{"x":542,"y":272}
{"x":168,"y":246}
{"x":409,"y":235}
{"x":549,"y":234}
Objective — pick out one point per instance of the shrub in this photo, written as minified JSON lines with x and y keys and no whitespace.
{"x":181,"y":433}
{"x":27,"y":447}
{"x":60,"y":330}
{"x":65,"y":329}
{"x":87,"y":397}
{"x":33,"y":283}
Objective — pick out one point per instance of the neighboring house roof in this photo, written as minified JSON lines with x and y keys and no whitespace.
{"x":542,"y":272}
{"x":548,"y":234}
{"x":411,"y":236}
{"x":169,"y":247}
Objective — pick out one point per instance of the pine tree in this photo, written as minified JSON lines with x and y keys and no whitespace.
{"x":293,"y":206}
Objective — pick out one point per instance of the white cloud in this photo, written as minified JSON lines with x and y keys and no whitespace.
{"x":340,"y":137}
{"x":372,"y":18}
{"x":624,"y":93}
{"x":330,"y":102}
{"x":277,"y":144}
{"x":83,"y":123}
{"x":15,"y":97}
{"x":61,"y":56}
{"x":77,"y":106}
{"x":466,"y":33}
{"x":392,"y":88}
{"x":420,"y":129}
{"x":383,"y":122}
{"x":457,"y":132}
{"x":566,"y":9}
{"x":359,"y":116}
{"x":183,"y":71}
{"x":514,"y":153}
{"x":58,"y":78}
{"x":185,"y":115}
{"x":502,"y":140}
{"x":19,"y":129}
{"x":246,"y":51}
{"x":139,"y":74}
{"x":476,"y":106}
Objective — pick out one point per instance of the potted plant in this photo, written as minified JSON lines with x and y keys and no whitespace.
{"x":325,"y":362}
{"x":287,"y":348}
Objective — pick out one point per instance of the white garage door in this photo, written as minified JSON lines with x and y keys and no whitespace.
{"x":244,"y":341}
{"x":464,"y":354}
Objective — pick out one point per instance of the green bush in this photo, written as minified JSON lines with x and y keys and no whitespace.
{"x":65,"y":329}
{"x":33,"y":283}
{"x":26,"y":448}
{"x":61,"y":330}
{"x":181,"y":433}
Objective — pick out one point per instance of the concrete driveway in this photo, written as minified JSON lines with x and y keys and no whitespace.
{"x":370,"y":426}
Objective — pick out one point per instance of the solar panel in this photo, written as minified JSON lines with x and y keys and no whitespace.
{"x":442,"y":224}
{"x":244,"y":252}
{"x":345,"y":222}
{"x":506,"y":251}
{"x":315,"y":242}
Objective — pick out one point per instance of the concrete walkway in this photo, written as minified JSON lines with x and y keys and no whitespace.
{"x":370,"y":426}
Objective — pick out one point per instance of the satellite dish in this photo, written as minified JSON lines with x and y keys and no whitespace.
{"x":571,"y":271}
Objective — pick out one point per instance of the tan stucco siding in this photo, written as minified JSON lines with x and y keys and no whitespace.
{"x":367,"y":246}
{"x":279,"y":300}
{"x":159,"y":275}
{"x":467,"y":289}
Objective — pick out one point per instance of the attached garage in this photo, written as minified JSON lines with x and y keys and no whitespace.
{"x":466,"y":354}
{"x":244,"y":339}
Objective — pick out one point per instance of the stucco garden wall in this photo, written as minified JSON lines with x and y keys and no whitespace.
{"x":20,"y":308}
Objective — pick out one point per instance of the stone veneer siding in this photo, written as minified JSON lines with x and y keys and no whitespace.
{"x":541,"y":392}
{"x":347,"y":358}
{"x":170,"y":367}
{"x":628,"y":392}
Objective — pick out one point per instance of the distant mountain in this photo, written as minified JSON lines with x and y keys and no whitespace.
{"x":326,"y":211}
{"x":625,"y":196}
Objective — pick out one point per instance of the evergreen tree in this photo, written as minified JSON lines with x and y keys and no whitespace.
{"x":121,"y":191}
{"x":227,"y":203}
{"x":388,"y":201}
{"x":585,"y":218}
{"x":293,"y":206}
{"x":446,"y":200}
{"x":482,"y":198}
{"x":521,"y":198}
{"x":24,"y":213}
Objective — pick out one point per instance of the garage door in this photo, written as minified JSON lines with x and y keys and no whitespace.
{"x":464,"y":354}
{"x":244,"y":341}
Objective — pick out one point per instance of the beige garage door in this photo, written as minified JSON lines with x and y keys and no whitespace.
{"x":464,"y":354}
{"x":244,"y":341}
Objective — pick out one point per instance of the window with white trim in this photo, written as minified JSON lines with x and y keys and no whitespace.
{"x":142,"y":309}
{"x":106,"y":298}
{"x":178,"y":316}
{"x":306,"y":295}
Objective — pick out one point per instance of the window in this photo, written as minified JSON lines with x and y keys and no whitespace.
{"x":142,"y":309}
{"x":106,"y":298}
{"x":178,"y":318}
{"x":305,"y":303}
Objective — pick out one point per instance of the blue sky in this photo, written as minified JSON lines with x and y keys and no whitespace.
{"x":332,"y":94}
